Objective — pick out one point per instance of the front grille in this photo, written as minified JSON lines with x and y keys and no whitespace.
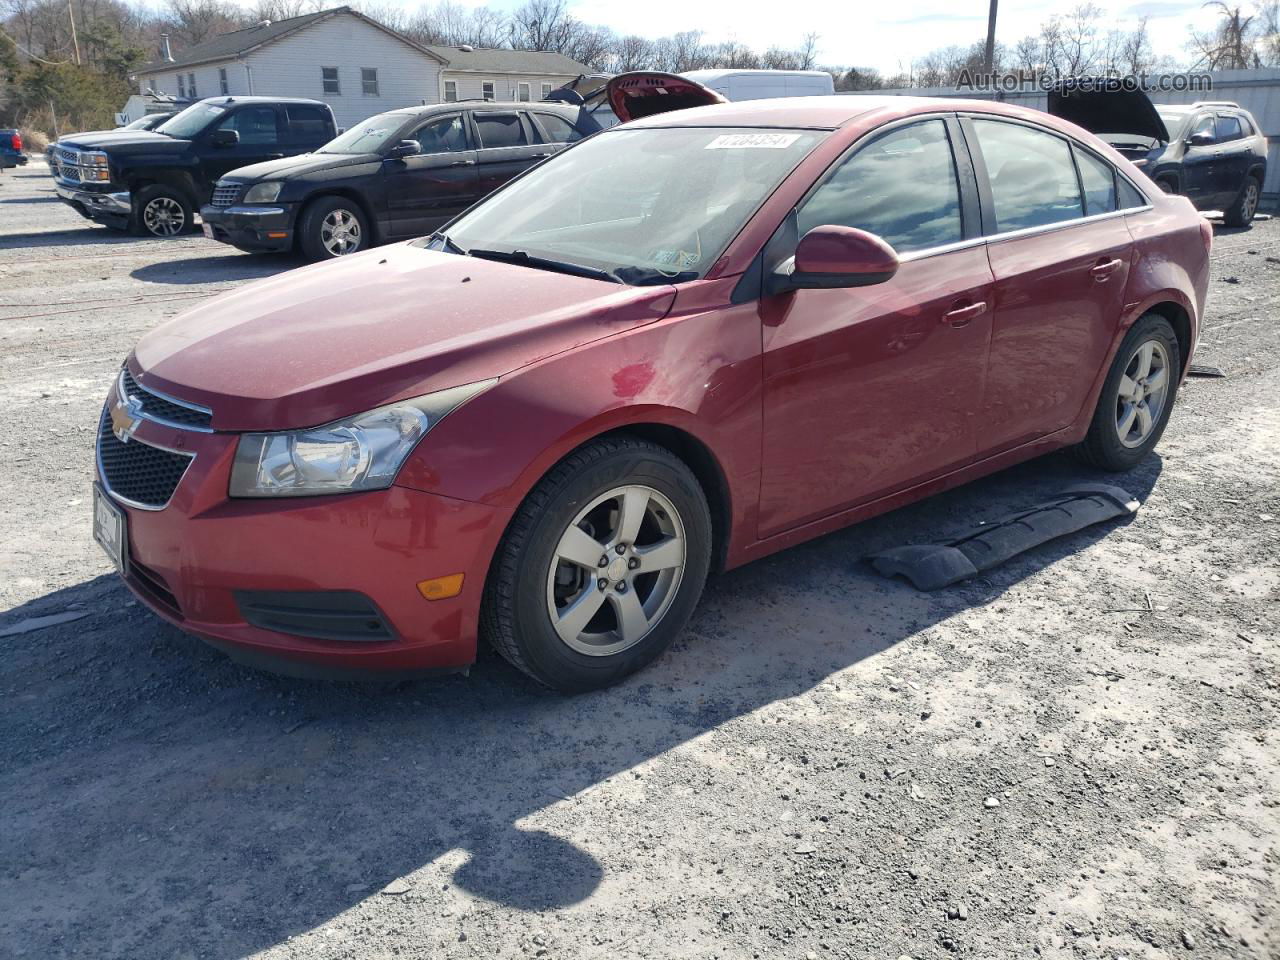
{"x":69,"y":173}
{"x":68,"y":157}
{"x":225,"y":194}
{"x":137,"y":472}
{"x":161,"y":408}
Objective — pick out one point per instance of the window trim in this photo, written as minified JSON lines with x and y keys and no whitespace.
{"x":364,"y":83}
{"x":492,"y":84}
{"x":337,"y":82}
{"x":445,"y":91}
{"x":224,"y":88}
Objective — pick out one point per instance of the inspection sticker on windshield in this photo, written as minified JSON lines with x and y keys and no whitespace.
{"x":752,"y":141}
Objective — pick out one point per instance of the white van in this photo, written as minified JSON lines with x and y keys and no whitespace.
{"x":765,"y":84}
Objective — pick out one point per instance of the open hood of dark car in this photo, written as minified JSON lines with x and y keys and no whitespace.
{"x":1108,"y":107}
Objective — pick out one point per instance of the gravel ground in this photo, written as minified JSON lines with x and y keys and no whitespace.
{"x":828,"y":765}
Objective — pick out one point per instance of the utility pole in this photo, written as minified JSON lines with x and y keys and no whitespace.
{"x":76,"y":43}
{"x":991,"y":39}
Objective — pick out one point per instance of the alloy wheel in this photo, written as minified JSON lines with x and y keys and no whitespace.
{"x":164,"y":217}
{"x":1250,"y":199}
{"x":1144,"y":390}
{"x":616,"y":570}
{"x":340,"y":233}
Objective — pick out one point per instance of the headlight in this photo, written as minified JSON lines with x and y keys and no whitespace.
{"x":364,"y":452}
{"x":263,"y":192}
{"x":97,"y":166}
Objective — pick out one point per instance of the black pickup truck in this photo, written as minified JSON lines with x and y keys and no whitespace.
{"x":153,"y":182}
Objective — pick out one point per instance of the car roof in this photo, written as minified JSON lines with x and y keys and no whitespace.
{"x":239,"y":99}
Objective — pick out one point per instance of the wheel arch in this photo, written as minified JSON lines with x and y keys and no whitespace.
{"x":1180,"y":320}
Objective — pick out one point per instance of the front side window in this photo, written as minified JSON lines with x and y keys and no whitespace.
{"x":256,"y":125}
{"x":486,"y":90}
{"x":329,"y":80}
{"x":1099,"y":183}
{"x":222,"y":81}
{"x":443,"y":135}
{"x":664,"y":201}
{"x":1033,"y":181}
{"x":1228,"y":128}
{"x":523,"y":92}
{"x":1204,"y":127}
{"x":500,"y":130}
{"x":902,"y":187}
{"x":451,"y":91}
{"x":191,"y":85}
{"x":369,"y":81}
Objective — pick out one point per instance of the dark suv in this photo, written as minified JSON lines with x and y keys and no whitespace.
{"x":399,"y":174}
{"x":154,"y":181}
{"x":1211,"y":152}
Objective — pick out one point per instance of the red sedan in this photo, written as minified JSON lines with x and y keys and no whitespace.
{"x":678,"y":346}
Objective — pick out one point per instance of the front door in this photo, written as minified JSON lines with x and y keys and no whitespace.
{"x":1235,"y":156}
{"x":262,"y":136}
{"x":1199,"y":164}
{"x":505,"y":147}
{"x":432,"y":187}
{"x":868,"y":390}
{"x":1059,"y":288}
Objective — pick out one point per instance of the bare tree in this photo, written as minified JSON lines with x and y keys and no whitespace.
{"x":1230,"y":44}
{"x":195,"y":21}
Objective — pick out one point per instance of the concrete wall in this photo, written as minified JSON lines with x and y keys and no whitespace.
{"x":1258,"y":91}
{"x":471,"y":85}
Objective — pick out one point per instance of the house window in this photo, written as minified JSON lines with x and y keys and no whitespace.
{"x":222,"y":81}
{"x":451,"y":91}
{"x":182,"y":86}
{"x":486,"y":90}
{"x":524,"y":94}
{"x":546,"y":89}
{"x":191,"y":85}
{"x":329,"y":80}
{"x":369,"y":81}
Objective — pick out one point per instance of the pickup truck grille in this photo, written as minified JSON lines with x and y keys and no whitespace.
{"x":161,"y":408}
{"x":137,"y":472}
{"x":224,"y":194}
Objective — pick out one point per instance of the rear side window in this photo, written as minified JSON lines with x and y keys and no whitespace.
{"x":1229,"y":129}
{"x":308,"y":123}
{"x":902,"y":187}
{"x":254,"y":124}
{"x":1248,"y":126}
{"x":1099,"y":184}
{"x":1130,"y":196}
{"x":500,"y":130}
{"x":558,"y":129}
{"x":1033,"y":181}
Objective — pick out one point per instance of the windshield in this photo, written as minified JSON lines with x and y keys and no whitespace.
{"x":190,"y":121}
{"x":658,"y":199}
{"x":368,"y":136}
{"x":1173,"y":120}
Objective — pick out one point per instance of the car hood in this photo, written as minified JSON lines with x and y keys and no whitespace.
{"x":338,"y":338}
{"x":299,"y":166}
{"x":122,"y":138}
{"x":1110,"y":110}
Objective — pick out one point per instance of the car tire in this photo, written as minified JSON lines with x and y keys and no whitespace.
{"x":1167,"y":185}
{"x":162,"y":212}
{"x":566,"y":622}
{"x":1245,"y":205}
{"x":1134,"y":406}
{"x":333,"y":227}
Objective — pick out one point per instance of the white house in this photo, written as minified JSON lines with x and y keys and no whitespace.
{"x":353,"y":63}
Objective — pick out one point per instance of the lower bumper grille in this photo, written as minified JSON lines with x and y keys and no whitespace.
{"x":320,"y":614}
{"x":153,"y":586}
{"x":136,"y":472}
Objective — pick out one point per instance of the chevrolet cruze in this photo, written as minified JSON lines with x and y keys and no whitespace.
{"x":678,"y":346}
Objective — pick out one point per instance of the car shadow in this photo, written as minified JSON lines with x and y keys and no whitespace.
{"x":153,"y":789}
{"x":232,"y":265}
{"x":48,"y":199}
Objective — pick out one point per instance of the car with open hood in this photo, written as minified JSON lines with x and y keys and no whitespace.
{"x":1211,"y":151}
{"x":678,"y":345}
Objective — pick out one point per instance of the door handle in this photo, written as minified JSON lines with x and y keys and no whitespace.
{"x":463,"y":163}
{"x":959,"y":316}
{"x":539,"y":156}
{"x":1103,"y":270}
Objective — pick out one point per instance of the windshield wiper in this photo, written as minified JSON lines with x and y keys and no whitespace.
{"x":526,"y":259}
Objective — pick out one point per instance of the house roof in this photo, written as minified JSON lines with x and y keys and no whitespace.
{"x":497,"y":60}
{"x":228,"y":46}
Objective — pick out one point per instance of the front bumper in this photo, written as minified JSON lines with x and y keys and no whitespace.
{"x":97,"y":205}
{"x":260,"y":229}
{"x":193,"y":561}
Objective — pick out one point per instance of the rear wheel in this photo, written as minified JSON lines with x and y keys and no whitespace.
{"x":1241,"y":211}
{"x":161,"y":211}
{"x":601,"y":567}
{"x":1137,"y":397}
{"x":333,"y":227}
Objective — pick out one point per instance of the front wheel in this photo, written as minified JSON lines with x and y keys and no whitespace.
{"x":163,"y":212}
{"x":601,"y":567}
{"x":333,"y":227}
{"x":1137,"y":397}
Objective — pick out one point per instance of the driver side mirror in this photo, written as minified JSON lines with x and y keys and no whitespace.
{"x":832,"y":256}
{"x":405,"y":148}
{"x":1200,"y":140}
{"x":224,"y":138}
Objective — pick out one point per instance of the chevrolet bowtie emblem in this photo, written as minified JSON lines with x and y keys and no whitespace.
{"x":126,"y":414}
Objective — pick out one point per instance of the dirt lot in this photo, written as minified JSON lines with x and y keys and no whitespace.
{"x":829,"y":764}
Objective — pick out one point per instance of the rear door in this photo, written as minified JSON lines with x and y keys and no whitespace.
{"x":504,"y":146}
{"x":425,"y":190}
{"x":868,"y":390}
{"x":1199,"y":163}
{"x":1059,"y":277}
{"x":1235,"y":156}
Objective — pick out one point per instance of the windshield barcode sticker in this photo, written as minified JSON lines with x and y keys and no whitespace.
{"x":752,"y":141}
